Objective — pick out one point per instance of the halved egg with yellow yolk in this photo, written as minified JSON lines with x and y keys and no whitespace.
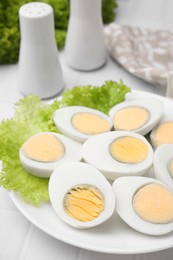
{"x":137,"y":115}
{"x":145,"y":204}
{"x":163,"y":164}
{"x":118,"y":153}
{"x":80,"y":195}
{"x":80,"y":123}
{"x":44,"y":151}
{"x":163,"y":132}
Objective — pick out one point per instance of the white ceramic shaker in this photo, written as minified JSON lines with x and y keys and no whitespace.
{"x":39,"y":66}
{"x":85,"y":47}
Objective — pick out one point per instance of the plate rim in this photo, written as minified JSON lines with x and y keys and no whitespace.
{"x":18,"y":202}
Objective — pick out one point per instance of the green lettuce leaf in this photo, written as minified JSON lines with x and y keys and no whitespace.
{"x":33,"y":116}
{"x":102,"y":98}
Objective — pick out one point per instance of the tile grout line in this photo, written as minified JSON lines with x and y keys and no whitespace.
{"x":80,"y":254}
{"x":20,"y":257}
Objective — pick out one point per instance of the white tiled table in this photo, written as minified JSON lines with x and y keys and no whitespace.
{"x":21,"y":240}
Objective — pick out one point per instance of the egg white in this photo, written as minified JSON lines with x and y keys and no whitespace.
{"x":73,"y":152}
{"x":63,"y":121}
{"x":68,"y":175}
{"x":125,"y":188}
{"x":165,"y":118}
{"x":162,"y":156}
{"x":96,"y":152}
{"x":152,"y":105}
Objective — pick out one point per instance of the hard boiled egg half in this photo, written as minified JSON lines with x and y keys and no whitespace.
{"x":43,"y":152}
{"x":145,"y":204}
{"x":118,"y":153}
{"x":163,"y":132}
{"x":163,"y":164}
{"x":80,"y":195}
{"x":80,"y":123}
{"x":137,"y":115}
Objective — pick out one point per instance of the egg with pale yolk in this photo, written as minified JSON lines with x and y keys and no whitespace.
{"x":80,"y":123}
{"x":118,"y":153}
{"x":145,"y":204}
{"x":138,"y":115}
{"x":80,"y":195}
{"x":43,"y":152}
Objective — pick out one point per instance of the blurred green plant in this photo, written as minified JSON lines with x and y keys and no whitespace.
{"x":9,"y":24}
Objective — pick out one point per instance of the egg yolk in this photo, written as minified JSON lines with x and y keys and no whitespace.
{"x":128,"y":150}
{"x":170,"y":167}
{"x":130,"y":118}
{"x":154,"y":203}
{"x":88,"y":123}
{"x":164,"y":134}
{"x":84,"y":203}
{"x":43,"y":148}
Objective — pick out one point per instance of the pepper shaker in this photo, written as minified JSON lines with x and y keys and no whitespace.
{"x":85,"y":47}
{"x":39,"y":66}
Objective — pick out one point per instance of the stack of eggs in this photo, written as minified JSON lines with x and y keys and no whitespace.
{"x":95,"y":150}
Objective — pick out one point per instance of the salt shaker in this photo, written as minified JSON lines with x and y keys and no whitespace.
{"x":85,"y":47}
{"x":39,"y":66}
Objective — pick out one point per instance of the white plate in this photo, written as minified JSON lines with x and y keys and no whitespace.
{"x":114,"y":236}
